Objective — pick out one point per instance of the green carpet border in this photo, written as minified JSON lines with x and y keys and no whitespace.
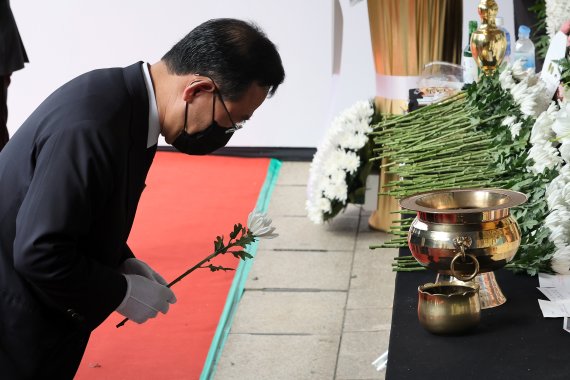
{"x":236,"y":291}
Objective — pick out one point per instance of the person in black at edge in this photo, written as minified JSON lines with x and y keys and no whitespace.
{"x":12,"y":58}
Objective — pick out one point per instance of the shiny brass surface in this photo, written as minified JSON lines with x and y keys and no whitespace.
{"x":459,"y":275}
{"x":478,"y":216}
{"x":448,"y":308}
{"x":490,"y":293}
{"x":488,"y":43}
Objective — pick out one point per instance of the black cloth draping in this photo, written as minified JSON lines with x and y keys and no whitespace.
{"x":513,"y":341}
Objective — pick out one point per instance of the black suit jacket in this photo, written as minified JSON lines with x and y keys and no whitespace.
{"x":12,"y":52}
{"x":70,"y":181}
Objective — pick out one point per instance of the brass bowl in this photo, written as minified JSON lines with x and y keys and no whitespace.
{"x":464,"y":232}
{"x":448,"y":308}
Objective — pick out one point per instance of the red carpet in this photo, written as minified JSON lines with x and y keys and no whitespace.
{"x":188,"y":201}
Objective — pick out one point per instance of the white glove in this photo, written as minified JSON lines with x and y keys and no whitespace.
{"x":144,"y":299}
{"x":136,"y":266}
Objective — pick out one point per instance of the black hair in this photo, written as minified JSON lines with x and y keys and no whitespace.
{"x":234,"y":53}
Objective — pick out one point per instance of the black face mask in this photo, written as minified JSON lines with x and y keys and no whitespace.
{"x":204,"y":142}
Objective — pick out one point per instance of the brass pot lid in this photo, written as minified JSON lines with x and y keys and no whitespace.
{"x":463,"y":201}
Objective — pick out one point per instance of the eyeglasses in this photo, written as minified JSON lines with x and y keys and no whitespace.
{"x":235,"y":126}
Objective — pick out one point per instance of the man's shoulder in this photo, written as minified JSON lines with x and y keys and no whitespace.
{"x":107,"y":87}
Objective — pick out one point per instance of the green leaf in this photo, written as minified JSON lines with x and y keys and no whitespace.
{"x":214,"y":268}
{"x":219,"y":243}
{"x":242,"y":255}
{"x":236,"y":231}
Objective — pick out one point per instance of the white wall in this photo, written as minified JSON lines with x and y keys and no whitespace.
{"x":65,"y":38}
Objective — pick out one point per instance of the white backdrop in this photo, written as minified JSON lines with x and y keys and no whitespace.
{"x":65,"y":38}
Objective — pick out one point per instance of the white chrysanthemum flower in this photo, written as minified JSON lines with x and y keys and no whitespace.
{"x":515,"y":129}
{"x":561,"y":124}
{"x":526,"y":88}
{"x":557,"y":11}
{"x":518,"y":71}
{"x":352,"y":140}
{"x":324,"y":205}
{"x":554,"y":200}
{"x":519,"y":90}
{"x":315,"y":215}
{"x":558,"y":222}
{"x":336,"y":191}
{"x":564,"y":150}
{"x":335,"y":157}
{"x":542,"y":129}
{"x":560,"y":261}
{"x":565,"y":196}
{"x":338,"y":177}
{"x":506,"y":79}
{"x":544,"y":156}
{"x":555,"y":188}
{"x":331,"y":165}
{"x":509,"y":121}
{"x":349,"y":161}
{"x":260,"y":225}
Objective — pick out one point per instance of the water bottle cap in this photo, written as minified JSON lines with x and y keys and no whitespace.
{"x":524,"y":31}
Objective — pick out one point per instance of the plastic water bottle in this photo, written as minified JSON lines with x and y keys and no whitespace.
{"x":470,"y":69}
{"x":500,"y":22}
{"x":524,"y":49}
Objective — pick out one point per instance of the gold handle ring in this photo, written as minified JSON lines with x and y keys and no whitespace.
{"x":460,"y":276}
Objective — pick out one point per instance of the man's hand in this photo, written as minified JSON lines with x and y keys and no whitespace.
{"x":145,"y":298}
{"x":136,"y":266}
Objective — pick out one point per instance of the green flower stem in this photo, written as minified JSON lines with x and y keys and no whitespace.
{"x":458,"y":142}
{"x":221,"y":250}
{"x":445,"y":161}
{"x":388,"y":245}
{"x":404,"y":258}
{"x":442,"y":153}
{"x":210,"y":257}
{"x":409,"y":269}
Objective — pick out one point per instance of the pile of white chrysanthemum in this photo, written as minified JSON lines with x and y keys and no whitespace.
{"x":557,"y":12}
{"x":336,"y":159}
{"x":529,"y":93}
{"x":550,"y":149}
{"x":558,"y":192}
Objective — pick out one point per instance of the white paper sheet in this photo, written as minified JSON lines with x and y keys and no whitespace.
{"x":554,"y":281}
{"x":556,"y":294}
{"x":554,"y":309}
{"x":550,"y":73}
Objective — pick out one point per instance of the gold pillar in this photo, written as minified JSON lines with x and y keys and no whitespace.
{"x":405,"y":35}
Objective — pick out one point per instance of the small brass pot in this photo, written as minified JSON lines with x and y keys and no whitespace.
{"x":448,"y":308}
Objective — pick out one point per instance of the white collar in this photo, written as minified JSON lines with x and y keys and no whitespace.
{"x":153,"y":123}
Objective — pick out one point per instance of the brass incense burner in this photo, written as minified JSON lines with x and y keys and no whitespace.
{"x":465,"y":234}
{"x":488,"y":43}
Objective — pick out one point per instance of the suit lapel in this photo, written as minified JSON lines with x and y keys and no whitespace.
{"x":139,"y":157}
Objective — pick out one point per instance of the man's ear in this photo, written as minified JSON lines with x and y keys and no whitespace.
{"x":197,"y":88}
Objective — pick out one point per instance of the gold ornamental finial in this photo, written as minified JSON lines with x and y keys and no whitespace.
{"x":488,"y":43}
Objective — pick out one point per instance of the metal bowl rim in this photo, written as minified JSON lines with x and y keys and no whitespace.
{"x":470,"y":289}
{"x":515,"y":198}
